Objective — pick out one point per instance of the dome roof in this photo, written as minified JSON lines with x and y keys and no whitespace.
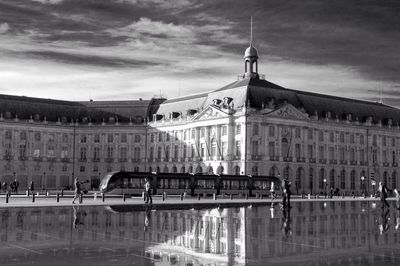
{"x":251,"y":51}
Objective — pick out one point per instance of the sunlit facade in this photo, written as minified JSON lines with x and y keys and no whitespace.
{"x":251,"y":127}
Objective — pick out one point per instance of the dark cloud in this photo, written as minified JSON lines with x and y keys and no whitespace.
{"x":82,"y":59}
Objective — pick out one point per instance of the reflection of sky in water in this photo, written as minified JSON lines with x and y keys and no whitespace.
{"x":312,"y":233}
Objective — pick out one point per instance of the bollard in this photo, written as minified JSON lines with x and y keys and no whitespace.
{"x":95,"y":196}
{"x":27,"y":193}
{"x":124,"y":198}
{"x":214,"y":196}
{"x":309,"y":196}
{"x":184,"y":194}
{"x":247,"y":196}
{"x":33,"y":197}
{"x":47,"y":193}
{"x":261,"y":196}
{"x":230,"y":196}
{"x":80,"y":198}
{"x":198,"y":196}
{"x":7,"y":197}
{"x":163,"y":196}
{"x":58,"y":197}
{"x":62,"y":193}
{"x":143,"y":196}
{"x":181,"y":196}
{"x":103,"y":197}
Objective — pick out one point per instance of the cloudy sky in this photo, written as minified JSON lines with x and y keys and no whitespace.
{"x":126,"y":49}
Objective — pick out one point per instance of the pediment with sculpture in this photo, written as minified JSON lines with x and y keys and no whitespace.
{"x":290,"y":112}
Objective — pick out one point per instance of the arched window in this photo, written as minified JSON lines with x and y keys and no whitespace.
{"x":183,"y":170}
{"x":311,"y":179}
{"x":190,"y":169}
{"x":332,"y":177}
{"x":321,"y":178}
{"x":343,"y":179}
{"x":165,"y":170}
{"x":174,"y":169}
{"x":199,"y":170}
{"x":273,"y":171}
{"x":210,"y":170}
{"x":150,"y":169}
{"x":236,"y":170}
{"x":353,"y":179}
{"x":299,"y":177}
{"x":158,"y":169}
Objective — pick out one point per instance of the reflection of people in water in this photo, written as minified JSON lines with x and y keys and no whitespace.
{"x":79,"y":216}
{"x":286,"y":222}
{"x":383,"y":222}
{"x":147,"y":213}
{"x":397,"y":220}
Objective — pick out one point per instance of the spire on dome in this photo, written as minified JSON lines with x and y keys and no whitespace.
{"x":251,"y":56}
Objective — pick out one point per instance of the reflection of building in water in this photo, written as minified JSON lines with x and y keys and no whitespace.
{"x":220,"y":232}
{"x":229,"y":235}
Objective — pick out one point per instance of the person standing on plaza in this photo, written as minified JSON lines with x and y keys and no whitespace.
{"x":286,"y":193}
{"x":78,"y":190}
{"x":16,"y":185}
{"x":31,"y":187}
{"x":147,"y":189}
{"x":383,"y":193}
{"x":4,"y":186}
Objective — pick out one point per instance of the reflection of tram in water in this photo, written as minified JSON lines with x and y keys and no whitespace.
{"x":132,"y":183}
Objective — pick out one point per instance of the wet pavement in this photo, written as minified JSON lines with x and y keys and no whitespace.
{"x":357,"y":232}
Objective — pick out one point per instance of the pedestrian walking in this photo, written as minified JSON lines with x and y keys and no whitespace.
{"x":78,"y":190}
{"x":31,"y":187}
{"x":383,"y":193}
{"x":397,"y":197}
{"x":286,"y":193}
{"x":16,"y":185}
{"x":147,"y":188}
{"x":272,"y":190}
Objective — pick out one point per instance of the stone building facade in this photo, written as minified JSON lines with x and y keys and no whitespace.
{"x":251,"y":127}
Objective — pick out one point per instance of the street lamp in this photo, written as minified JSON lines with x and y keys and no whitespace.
{"x":373,"y":183}
{"x":363,"y":185}
{"x":325,"y":184}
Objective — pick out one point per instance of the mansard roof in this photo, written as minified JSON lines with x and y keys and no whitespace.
{"x":258,"y":93}
{"x":95,"y":111}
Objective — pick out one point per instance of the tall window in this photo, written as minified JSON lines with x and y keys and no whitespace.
{"x":343,"y":179}
{"x":23,"y":135}
{"x":255,"y":129}
{"x":394,"y":180}
{"x":224,"y":147}
{"x":238,"y":148}
{"x":352,"y":141}
{"x":167,"y":151}
{"x":297,"y":149}
{"x":151,"y":153}
{"x":321,"y":178}
{"x":176,"y":151}
{"x":331,"y":153}
{"x":297,"y":133}
{"x":83,"y":154}
{"x":110,"y":138}
{"x":8,"y":134}
{"x":124,"y":138}
{"x":136,"y":153}
{"x":321,"y":152}
{"x":310,"y":151}
{"x":321,"y":135}
{"x":352,"y":154}
{"x":341,"y":137}
{"x":362,"y":156}
{"x":238,"y":129}
{"x":299,"y":176}
{"x":159,"y":152}
{"x":271,"y":149}
{"x":362,"y":139}
{"x":285,"y":148}
{"x":192,"y":150}
{"x":83,"y":138}
{"x":310,"y":134}
{"x":224,"y":130}
{"x":203,"y":150}
{"x":271,"y":131}
{"x":341,"y":154}
{"x":332,"y":137}
{"x":255,"y":147}
{"x":353,"y":179}
{"x":123,"y":153}
{"x":332,"y":178}
{"x":96,"y":153}
{"x":184,"y":150}
{"x":393,"y":156}
{"x":110,"y":152}
{"x":96,"y":138}
{"x":202,"y":132}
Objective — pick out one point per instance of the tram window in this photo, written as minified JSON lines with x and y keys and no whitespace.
{"x":235,"y":184}
{"x":135,"y":183}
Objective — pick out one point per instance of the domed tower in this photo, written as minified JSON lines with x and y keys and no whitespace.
{"x":251,"y":57}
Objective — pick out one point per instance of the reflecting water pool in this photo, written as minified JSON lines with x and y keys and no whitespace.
{"x":310,"y":233}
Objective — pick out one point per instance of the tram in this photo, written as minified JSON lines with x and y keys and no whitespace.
{"x":132,"y":183}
